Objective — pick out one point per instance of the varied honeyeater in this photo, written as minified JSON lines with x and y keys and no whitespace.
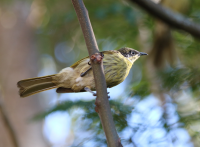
{"x":116,"y":63}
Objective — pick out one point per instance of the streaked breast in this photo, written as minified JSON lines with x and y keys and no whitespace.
{"x":116,"y":68}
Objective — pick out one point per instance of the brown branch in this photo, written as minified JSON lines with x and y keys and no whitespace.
{"x":100,"y":83}
{"x":169,"y":17}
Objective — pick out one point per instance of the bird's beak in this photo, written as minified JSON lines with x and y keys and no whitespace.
{"x":142,"y":54}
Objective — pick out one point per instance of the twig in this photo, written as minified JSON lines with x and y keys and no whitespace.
{"x":169,"y":17}
{"x":100,"y":83}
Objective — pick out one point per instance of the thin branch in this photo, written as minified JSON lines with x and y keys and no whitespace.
{"x":100,"y":83}
{"x":169,"y":17}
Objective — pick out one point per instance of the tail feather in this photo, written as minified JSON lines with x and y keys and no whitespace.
{"x":35,"y":85}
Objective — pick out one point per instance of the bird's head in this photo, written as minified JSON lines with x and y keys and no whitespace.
{"x":131,"y":54}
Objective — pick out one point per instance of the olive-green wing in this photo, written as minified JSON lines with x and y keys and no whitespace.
{"x":110,"y":52}
{"x":79,"y":61}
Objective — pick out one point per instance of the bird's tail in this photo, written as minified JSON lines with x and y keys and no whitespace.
{"x":35,"y":85}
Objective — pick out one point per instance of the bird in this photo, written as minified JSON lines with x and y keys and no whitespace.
{"x":79,"y":76}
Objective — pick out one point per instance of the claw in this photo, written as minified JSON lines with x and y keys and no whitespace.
{"x":94,"y":94}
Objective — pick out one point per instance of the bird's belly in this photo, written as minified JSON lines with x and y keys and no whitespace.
{"x":70,"y":78}
{"x":115,"y":76}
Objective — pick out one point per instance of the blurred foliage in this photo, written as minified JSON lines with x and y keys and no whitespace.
{"x":182,"y":77}
{"x":119,"y":112}
{"x":141,"y":89}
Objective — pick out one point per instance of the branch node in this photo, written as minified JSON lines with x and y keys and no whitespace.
{"x":96,"y":109}
{"x":97,"y":57}
{"x":97,"y":103}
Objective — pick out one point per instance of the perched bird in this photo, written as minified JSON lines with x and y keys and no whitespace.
{"x":79,"y":76}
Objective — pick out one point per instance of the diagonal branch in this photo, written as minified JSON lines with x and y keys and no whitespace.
{"x":100,"y":83}
{"x":169,"y":17}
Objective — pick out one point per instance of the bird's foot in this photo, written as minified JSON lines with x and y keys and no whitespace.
{"x":94,"y":94}
{"x":107,"y":93}
{"x":97,"y":57}
{"x":84,"y":73}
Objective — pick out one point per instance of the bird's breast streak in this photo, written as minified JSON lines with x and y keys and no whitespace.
{"x":116,"y":68}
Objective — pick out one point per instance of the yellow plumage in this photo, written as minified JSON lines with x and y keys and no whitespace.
{"x":117,"y":65}
{"x":119,"y":71}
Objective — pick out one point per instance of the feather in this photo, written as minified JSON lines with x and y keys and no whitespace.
{"x":35,"y":85}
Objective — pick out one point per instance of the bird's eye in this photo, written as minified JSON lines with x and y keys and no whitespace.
{"x":131,"y":52}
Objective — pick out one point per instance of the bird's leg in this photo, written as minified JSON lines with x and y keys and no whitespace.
{"x":94,"y":94}
{"x":97,"y":57}
{"x":89,"y":90}
{"x":84,"y":73}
